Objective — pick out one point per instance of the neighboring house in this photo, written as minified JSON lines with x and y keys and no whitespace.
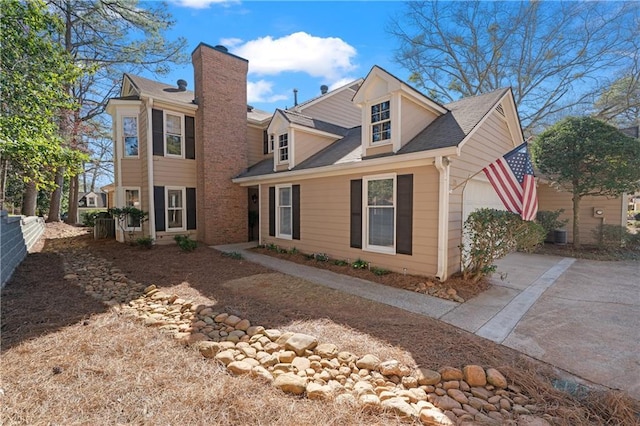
{"x":90,"y":202}
{"x":373,"y":170}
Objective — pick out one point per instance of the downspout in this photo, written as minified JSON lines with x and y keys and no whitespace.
{"x":152,"y":214}
{"x":260,"y":214}
{"x":442,"y":164}
{"x":119,"y":196}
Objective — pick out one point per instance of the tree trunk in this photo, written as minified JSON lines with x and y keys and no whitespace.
{"x":4,"y":165}
{"x":73,"y":201}
{"x":56,"y":197}
{"x":576,"y":221}
{"x":29,"y":200}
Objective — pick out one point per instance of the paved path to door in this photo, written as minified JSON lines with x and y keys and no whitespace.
{"x":580,"y":316}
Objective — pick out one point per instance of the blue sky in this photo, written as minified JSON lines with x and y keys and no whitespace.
{"x":290,"y":44}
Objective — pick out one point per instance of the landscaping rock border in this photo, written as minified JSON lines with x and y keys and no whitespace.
{"x":299,"y":364}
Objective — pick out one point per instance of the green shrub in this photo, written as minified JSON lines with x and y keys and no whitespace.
{"x":549,"y":220}
{"x":379,"y":271}
{"x":340,"y":262}
{"x":185,"y":243}
{"x":492,"y":234}
{"x":360,"y":264}
{"x":614,"y":237}
{"x":89,"y":218}
{"x":233,"y":255}
{"x":321,"y":257}
{"x":293,"y":250}
{"x":146,"y":242}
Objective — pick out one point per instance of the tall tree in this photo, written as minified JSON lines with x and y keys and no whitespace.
{"x":35,"y":71}
{"x":585,"y":156}
{"x":551,"y":53}
{"x":109,"y":37}
{"x":619,"y":102}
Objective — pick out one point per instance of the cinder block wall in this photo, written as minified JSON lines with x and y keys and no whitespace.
{"x":221,"y":144}
{"x":17,"y":235}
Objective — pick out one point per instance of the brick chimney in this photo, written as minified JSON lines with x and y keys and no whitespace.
{"x":221,"y":144}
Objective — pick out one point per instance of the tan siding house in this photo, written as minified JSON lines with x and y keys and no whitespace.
{"x":374,"y":170}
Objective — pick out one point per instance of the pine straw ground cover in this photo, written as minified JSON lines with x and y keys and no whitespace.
{"x":67,"y":359}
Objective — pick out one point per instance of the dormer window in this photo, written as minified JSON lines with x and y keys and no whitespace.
{"x":380,"y":122}
{"x":283,"y":148}
{"x":91,"y":201}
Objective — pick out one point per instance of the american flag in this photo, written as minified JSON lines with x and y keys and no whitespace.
{"x":512,"y":178}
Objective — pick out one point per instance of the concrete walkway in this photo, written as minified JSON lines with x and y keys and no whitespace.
{"x":580,"y":316}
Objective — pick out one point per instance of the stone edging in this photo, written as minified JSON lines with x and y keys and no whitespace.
{"x":299,"y":364}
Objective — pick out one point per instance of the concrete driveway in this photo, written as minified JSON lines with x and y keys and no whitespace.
{"x":581,"y":316}
{"x":588,"y":323}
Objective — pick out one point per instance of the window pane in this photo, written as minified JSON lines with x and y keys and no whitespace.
{"x":131,"y":146}
{"x":380,"y":192}
{"x":285,"y":196}
{"x":174,"y":146}
{"x":130,"y":126}
{"x":285,"y":220}
{"x":174,"y":124}
{"x":381,"y":226}
{"x":174,"y":198}
{"x":132,"y":199}
{"x":175,"y":218}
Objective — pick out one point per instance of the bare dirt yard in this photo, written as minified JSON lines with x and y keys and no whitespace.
{"x":68,"y":358}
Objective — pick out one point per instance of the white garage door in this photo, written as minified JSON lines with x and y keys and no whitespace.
{"x":477,"y":195}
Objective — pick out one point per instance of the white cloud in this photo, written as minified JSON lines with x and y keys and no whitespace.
{"x":329,"y":58}
{"x":230,"y":43}
{"x":341,"y":82}
{"x":262,"y":91}
{"x":200,"y":4}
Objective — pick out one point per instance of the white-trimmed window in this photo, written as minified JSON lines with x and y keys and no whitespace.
{"x":284,"y":212}
{"x":379,"y":200}
{"x":130,"y":136}
{"x":283,"y":148}
{"x":271,"y":142}
{"x":175,"y":208}
{"x":380,"y":122}
{"x":91,"y":201}
{"x":173,"y":134}
{"x":132,"y":199}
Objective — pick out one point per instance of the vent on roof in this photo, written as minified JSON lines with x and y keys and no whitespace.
{"x":221,"y":48}
{"x":182,"y":85}
{"x":295,"y":97}
{"x":324,"y":89}
{"x":249,"y":108}
{"x":500,"y":110}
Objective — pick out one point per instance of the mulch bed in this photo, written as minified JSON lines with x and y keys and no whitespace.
{"x":429,"y":285}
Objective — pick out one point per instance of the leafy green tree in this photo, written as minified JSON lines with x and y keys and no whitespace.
{"x":34,"y":71}
{"x":108,"y":38}
{"x":585,"y":156}
{"x":551,"y":53}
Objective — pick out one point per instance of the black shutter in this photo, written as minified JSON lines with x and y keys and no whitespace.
{"x":356,"y":213}
{"x":272,"y":211}
{"x":265,"y":142}
{"x":404,"y":216}
{"x":157,"y":123}
{"x":295,"y":198}
{"x":190,"y":138}
{"x":191,"y":208}
{"x":158,"y":207}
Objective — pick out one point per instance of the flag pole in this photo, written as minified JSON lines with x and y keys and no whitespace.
{"x":465,"y":181}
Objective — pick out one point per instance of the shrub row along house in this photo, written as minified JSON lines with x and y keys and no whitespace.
{"x":373,"y":170}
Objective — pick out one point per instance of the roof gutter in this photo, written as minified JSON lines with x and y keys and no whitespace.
{"x":397,"y":161}
{"x":442,"y":165}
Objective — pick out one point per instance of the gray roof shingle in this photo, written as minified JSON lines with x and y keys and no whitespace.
{"x":306,"y":121}
{"x":445,"y":131}
{"x":450,"y":129}
{"x":161,"y":90}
